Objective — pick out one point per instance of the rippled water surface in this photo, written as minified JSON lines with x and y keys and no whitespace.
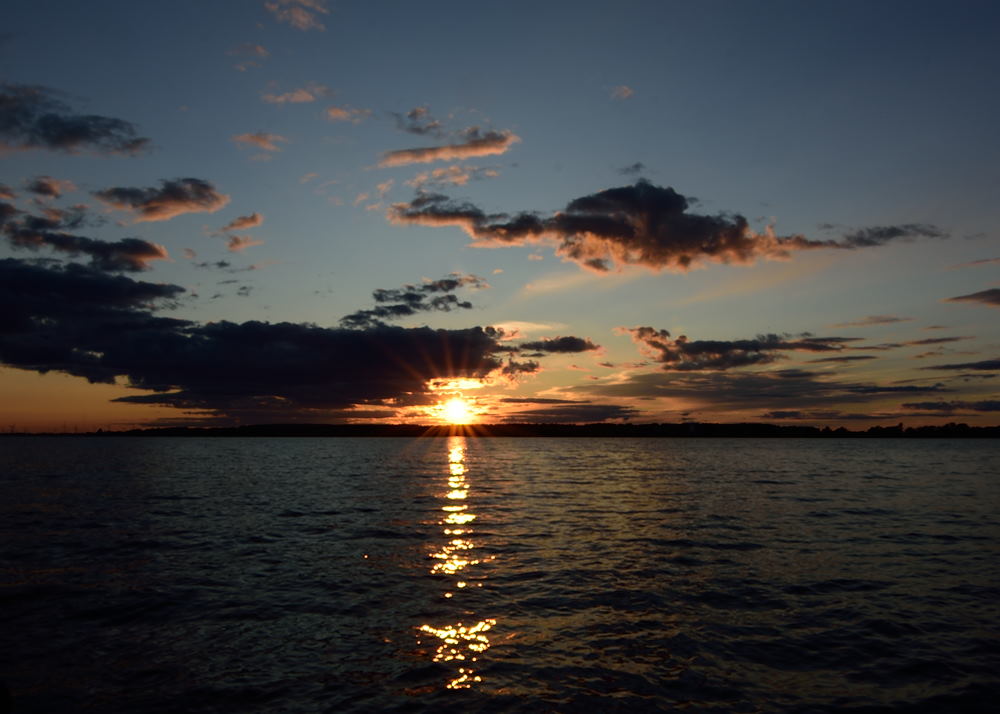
{"x":527,"y":575}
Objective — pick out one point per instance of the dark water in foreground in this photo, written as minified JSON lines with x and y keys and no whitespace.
{"x":368,"y":575}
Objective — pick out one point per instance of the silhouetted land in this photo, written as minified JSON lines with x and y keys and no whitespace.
{"x":687,"y":429}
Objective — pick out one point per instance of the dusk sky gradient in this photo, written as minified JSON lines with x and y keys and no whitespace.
{"x":327,"y":211}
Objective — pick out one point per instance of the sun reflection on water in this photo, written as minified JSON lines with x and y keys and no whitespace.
{"x":459,"y":642}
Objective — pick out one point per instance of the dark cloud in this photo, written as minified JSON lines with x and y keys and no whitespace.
{"x":633,"y":170}
{"x":986,"y":365}
{"x":474,"y":142}
{"x":48,"y":187}
{"x":512,"y":368}
{"x":849,"y":358}
{"x":986,"y":297}
{"x":573,"y":413}
{"x":80,"y":321}
{"x":50,"y":231}
{"x":989,"y":405}
{"x":682,"y":354}
{"x":32,"y":117}
{"x":6,"y":192}
{"x":566,"y":344}
{"x":430,"y":296}
{"x":784,"y":390}
{"x":935,"y":340}
{"x":640,"y":224}
{"x":418,"y":121}
{"x":538,"y":400}
{"x":173,"y":198}
{"x":873,"y":320}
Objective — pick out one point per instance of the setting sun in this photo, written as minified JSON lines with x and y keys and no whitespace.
{"x":457,"y":411}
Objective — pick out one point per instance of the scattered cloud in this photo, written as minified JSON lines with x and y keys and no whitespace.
{"x":973,"y":263}
{"x":455,"y":175}
{"x":260,"y":139}
{"x":429,"y":296}
{"x":418,"y":121}
{"x":570,"y":412}
{"x":303,"y":95}
{"x":988,"y":405}
{"x":6,"y":192}
{"x":873,"y":320}
{"x":237,"y":244}
{"x":173,"y":198}
{"x":242,"y":223}
{"x":254,"y":55}
{"x":563,"y":345}
{"x":33,"y":117}
{"x":682,"y":354}
{"x":346,"y":113}
{"x":848,"y":358}
{"x":49,"y":187}
{"x":51,"y":231}
{"x":622,"y":92}
{"x":986,"y":297}
{"x":640,"y":224}
{"x":300,"y":14}
{"x":633,"y":169}
{"x":985,"y":365}
{"x":475,"y":142}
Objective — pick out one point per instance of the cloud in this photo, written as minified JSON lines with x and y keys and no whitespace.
{"x":873,"y":320}
{"x":237,"y":244}
{"x":49,"y":187}
{"x":83,"y":322}
{"x":562,"y":345}
{"x":430,"y":296}
{"x":880,"y":235}
{"x":622,"y":92}
{"x":418,"y":121}
{"x":989,"y":405}
{"x":455,"y":175}
{"x":682,"y":354}
{"x":513,"y":369}
{"x":6,"y":192}
{"x":568,"y":412}
{"x":173,"y":198}
{"x":986,"y":297}
{"x":355,"y":116}
{"x":300,"y":14}
{"x":310,"y":93}
{"x":849,"y":358}
{"x":475,"y":143}
{"x":241,"y":223}
{"x":31,"y":117}
{"x":985,"y":365}
{"x":256,"y":54}
{"x":982,"y":261}
{"x":633,"y":169}
{"x":260,"y":139}
{"x":50,"y":231}
{"x":640,"y":224}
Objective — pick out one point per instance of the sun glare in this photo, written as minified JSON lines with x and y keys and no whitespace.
{"x":457,"y":411}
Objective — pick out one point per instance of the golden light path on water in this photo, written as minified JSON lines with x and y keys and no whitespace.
{"x":459,"y":642}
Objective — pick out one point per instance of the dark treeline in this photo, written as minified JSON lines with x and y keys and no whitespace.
{"x":687,"y":429}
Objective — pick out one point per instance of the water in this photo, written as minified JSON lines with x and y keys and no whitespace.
{"x":522,"y":575}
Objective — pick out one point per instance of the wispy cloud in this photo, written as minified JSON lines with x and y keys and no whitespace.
{"x":454,"y":175}
{"x":303,"y":95}
{"x":48,"y":187}
{"x":254,"y":55}
{"x":260,"y":139}
{"x":429,"y":296}
{"x":989,"y":297}
{"x":622,"y":91}
{"x":418,"y":121}
{"x":346,"y":113}
{"x":237,"y":244}
{"x":475,"y":142}
{"x":300,"y":14}
{"x":872,"y":320}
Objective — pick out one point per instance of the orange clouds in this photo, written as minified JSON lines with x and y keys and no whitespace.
{"x":476,"y":143}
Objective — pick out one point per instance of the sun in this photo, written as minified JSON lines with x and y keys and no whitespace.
{"x":457,"y":411}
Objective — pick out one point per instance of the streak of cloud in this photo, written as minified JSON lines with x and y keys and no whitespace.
{"x":172,"y":198}
{"x":474,"y":143}
{"x":260,"y":139}
{"x":989,"y":297}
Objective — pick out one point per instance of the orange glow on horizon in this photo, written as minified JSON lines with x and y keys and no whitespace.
{"x":457,"y":411}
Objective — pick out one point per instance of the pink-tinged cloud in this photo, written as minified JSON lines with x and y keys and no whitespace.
{"x":6,"y":192}
{"x":237,"y":244}
{"x":241,"y":223}
{"x":48,"y":187}
{"x":622,"y":92}
{"x":989,"y":297}
{"x":170,"y":199}
{"x":642,"y":224}
{"x":355,"y":116}
{"x":310,"y":93}
{"x":260,"y":139}
{"x":455,"y":175}
{"x":248,"y":49}
{"x":476,"y":143}
{"x":300,"y":14}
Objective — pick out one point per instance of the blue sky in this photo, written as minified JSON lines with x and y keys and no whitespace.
{"x":849,"y":148}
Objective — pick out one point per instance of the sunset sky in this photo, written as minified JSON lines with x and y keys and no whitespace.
{"x":307,"y":210}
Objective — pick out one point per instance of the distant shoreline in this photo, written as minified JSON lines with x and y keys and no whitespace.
{"x":692,"y":429}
